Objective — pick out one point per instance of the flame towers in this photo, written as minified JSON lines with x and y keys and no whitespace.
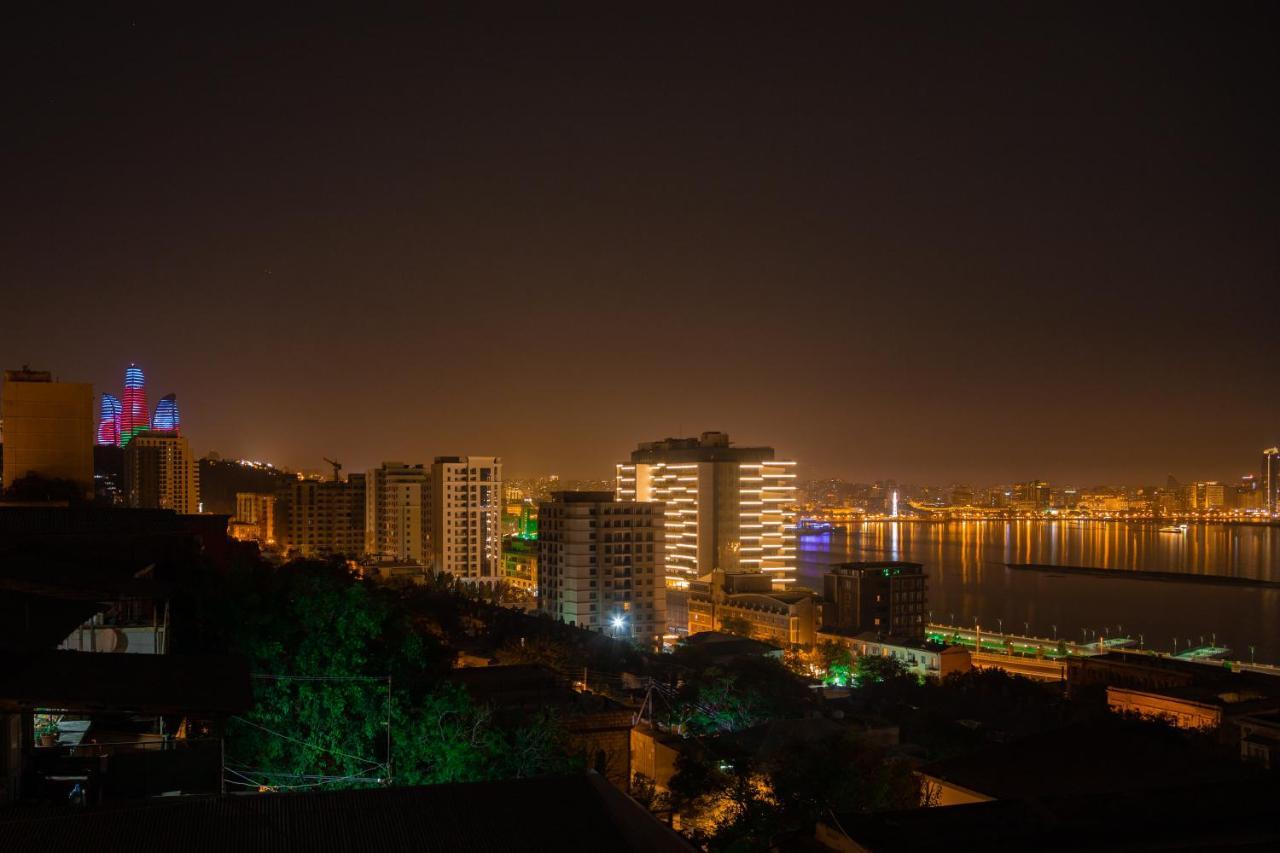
{"x":120,"y":421}
{"x":134,"y":418}
{"x":109,"y":420}
{"x":166,"y":417}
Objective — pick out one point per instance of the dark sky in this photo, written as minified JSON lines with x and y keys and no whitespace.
{"x":957,"y":242}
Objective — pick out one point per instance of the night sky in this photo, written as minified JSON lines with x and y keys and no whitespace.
{"x":961,"y":242}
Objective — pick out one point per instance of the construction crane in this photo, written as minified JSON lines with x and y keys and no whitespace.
{"x":337,"y":466}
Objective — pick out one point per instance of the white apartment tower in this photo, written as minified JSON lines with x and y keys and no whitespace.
{"x":397,"y":519}
{"x":466,"y":517}
{"x":600,"y":564}
{"x":727,"y":508}
{"x":161,"y":473}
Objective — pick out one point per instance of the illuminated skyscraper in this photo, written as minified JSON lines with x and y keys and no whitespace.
{"x":727,"y":508}
{"x":166,"y":418}
{"x":134,"y":417}
{"x":1271,"y":480}
{"x":109,"y":420}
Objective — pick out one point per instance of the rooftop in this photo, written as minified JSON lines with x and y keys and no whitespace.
{"x":1112,"y":755}
{"x":564,"y":814}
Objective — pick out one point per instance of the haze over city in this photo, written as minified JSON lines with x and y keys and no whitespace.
{"x":964,"y":248}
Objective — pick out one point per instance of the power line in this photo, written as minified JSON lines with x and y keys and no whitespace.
{"x":304,"y":743}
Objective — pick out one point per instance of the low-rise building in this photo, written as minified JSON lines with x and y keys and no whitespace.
{"x":722,"y":600}
{"x":932,"y":660}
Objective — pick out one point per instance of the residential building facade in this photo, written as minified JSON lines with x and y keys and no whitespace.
{"x":600,"y":564}
{"x":161,"y":473}
{"x":466,"y":503}
{"x":397,"y":524}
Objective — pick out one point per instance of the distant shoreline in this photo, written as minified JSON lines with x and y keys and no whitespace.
{"x":1146,"y":575}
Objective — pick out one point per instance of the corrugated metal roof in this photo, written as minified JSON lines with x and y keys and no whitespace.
{"x":562,"y":814}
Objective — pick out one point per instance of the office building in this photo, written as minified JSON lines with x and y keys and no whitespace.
{"x":322,"y":518}
{"x":727,"y":508}
{"x":257,"y":511}
{"x":1270,"y":480}
{"x":466,"y":517}
{"x":600,"y":564}
{"x":48,"y":428}
{"x":161,"y":473}
{"x":886,"y":598}
{"x":397,"y":517}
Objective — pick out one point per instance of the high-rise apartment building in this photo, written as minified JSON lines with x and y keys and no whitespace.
{"x":259,"y":510}
{"x":397,"y":522}
{"x":600,"y":564}
{"x":323,"y":518}
{"x":727,"y":508}
{"x":1271,"y":480}
{"x":48,"y":428}
{"x":466,"y":517}
{"x":161,"y":473}
{"x":887,"y":598}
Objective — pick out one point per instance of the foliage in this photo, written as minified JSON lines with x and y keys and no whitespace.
{"x":735,"y":625}
{"x":746,"y":801}
{"x":36,"y":487}
{"x":737,"y":695}
{"x":448,"y":738}
{"x":331,"y":639}
{"x":877,"y":669}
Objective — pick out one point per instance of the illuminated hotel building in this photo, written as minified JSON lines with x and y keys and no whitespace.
{"x":134,"y":417}
{"x":727,"y":508}
{"x":466,"y":517}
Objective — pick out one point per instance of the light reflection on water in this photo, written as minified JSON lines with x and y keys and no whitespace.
{"x":965,"y":561}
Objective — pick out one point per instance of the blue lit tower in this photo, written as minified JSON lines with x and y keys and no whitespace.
{"x":166,"y":417}
{"x":109,"y":420}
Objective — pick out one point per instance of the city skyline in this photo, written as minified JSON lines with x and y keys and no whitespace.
{"x":995,"y":258}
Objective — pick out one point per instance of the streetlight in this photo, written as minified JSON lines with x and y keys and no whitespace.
{"x":618,"y":623}
{"x":1026,"y":629}
{"x":1252,"y":659}
{"x":1000,"y":622}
